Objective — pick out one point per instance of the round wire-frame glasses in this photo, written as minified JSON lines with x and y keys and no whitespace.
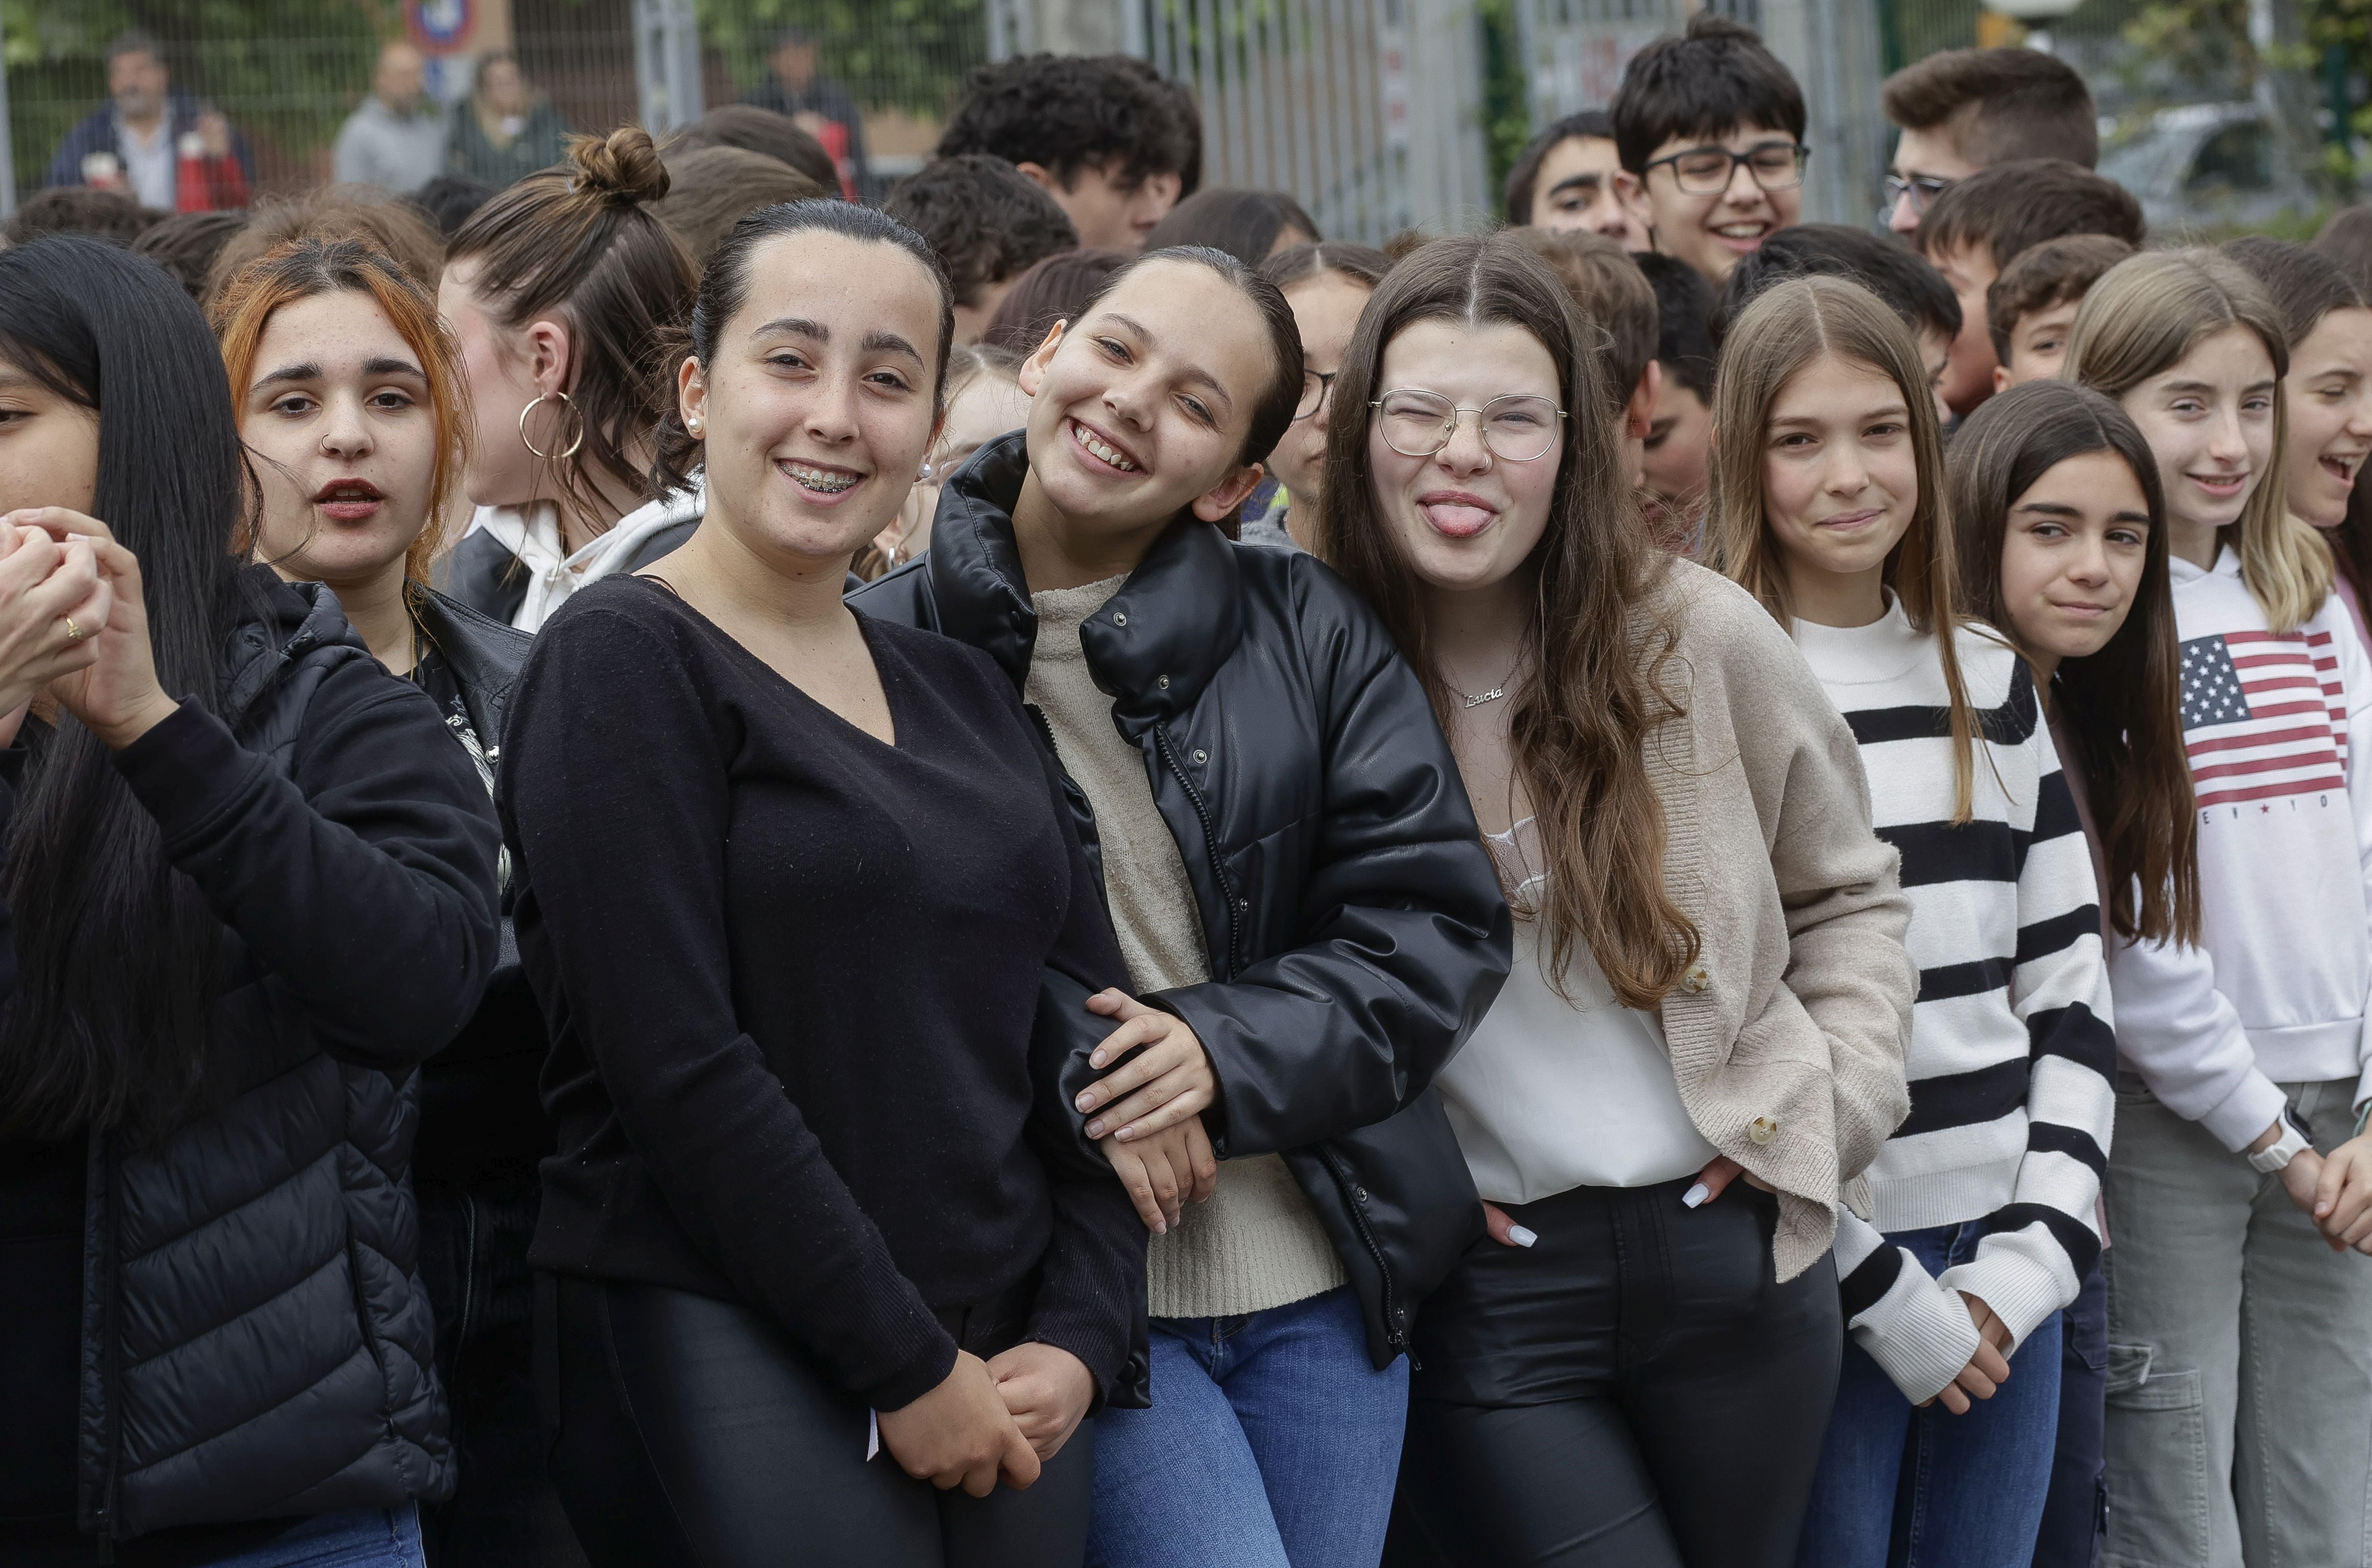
{"x":1516,"y":426}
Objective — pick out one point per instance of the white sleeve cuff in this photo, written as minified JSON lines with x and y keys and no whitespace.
{"x":2020,"y":1291}
{"x":1920,"y":1334}
{"x":2243,"y":1115}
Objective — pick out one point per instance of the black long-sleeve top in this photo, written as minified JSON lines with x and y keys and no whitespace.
{"x":811,"y":995}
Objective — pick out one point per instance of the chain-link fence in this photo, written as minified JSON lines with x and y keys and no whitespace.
{"x":287,"y":74}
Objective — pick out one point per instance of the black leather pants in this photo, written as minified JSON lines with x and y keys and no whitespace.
{"x":1635,"y":1390}
{"x":692,"y":1433}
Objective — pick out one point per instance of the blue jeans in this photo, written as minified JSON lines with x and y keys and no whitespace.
{"x":1906,"y":1488}
{"x":353,"y":1537}
{"x":2078,"y":1506}
{"x":1272,"y":1443}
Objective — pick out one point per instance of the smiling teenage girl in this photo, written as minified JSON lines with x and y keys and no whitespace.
{"x":2241,"y":1346}
{"x":1297,"y":886}
{"x":730,"y":797}
{"x":2327,"y":395}
{"x":1829,"y":506}
{"x":2062,"y":526}
{"x":1709,"y":974}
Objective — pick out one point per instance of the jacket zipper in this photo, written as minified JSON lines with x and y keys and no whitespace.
{"x":1210,"y":849}
{"x":1351,"y":1190}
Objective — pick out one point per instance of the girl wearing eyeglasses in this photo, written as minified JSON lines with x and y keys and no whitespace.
{"x":1308,"y":920}
{"x":1709,"y":975}
{"x":1981,"y":1214}
{"x":1327,"y":284}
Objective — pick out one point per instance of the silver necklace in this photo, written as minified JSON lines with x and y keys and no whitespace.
{"x":1476,"y":699}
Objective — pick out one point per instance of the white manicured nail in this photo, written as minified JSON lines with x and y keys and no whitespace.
{"x":1520,"y":1236}
{"x":1695,"y":1195}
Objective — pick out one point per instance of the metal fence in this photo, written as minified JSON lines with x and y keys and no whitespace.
{"x":599,"y":63}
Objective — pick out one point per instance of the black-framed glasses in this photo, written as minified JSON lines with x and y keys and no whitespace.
{"x":1517,"y":428}
{"x":1923,"y":190}
{"x":1315,"y":385}
{"x":1707,"y":171}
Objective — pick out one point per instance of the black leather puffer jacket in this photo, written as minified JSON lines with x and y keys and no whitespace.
{"x":256,"y":1339}
{"x":1355,"y":926}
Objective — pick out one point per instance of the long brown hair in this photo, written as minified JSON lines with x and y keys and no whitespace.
{"x":1790,"y":326}
{"x":2140,"y":321}
{"x":1601,"y":626}
{"x":581,"y":243}
{"x":2122,"y":708}
{"x":306,"y":268}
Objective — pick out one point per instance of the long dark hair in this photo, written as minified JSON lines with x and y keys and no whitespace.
{"x":2122,"y":708}
{"x":724,"y":285}
{"x":1601,"y":625}
{"x":115,"y":950}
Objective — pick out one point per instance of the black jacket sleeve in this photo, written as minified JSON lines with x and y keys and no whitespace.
{"x":1091,"y":1295}
{"x":363,"y":880}
{"x":615,"y":793}
{"x":1404,"y":936}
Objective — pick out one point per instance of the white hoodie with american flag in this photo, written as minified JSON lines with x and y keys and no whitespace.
{"x":2281,"y":759}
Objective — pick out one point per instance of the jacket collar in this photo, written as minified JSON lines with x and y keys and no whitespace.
{"x":279,"y":623}
{"x":1154,"y":645}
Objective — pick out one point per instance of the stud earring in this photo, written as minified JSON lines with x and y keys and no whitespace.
{"x":692,"y":427}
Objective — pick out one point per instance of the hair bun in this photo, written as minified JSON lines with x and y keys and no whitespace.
{"x":622,"y":167}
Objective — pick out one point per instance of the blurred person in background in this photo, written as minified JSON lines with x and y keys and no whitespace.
{"x":1053,"y":290}
{"x":385,"y":222}
{"x":449,"y":199}
{"x":757,"y":130}
{"x":252,"y":887}
{"x":109,"y":215}
{"x":1616,"y":302}
{"x":1106,"y":139}
{"x":711,"y":189}
{"x":1963,"y":109}
{"x":1250,"y":225}
{"x":560,"y":291}
{"x":504,"y":131}
{"x":395,"y":138}
{"x":162,"y":149}
{"x":987,"y":224}
{"x":817,"y":105}
{"x":1571,"y":177}
{"x":983,"y":400}
{"x":1327,"y":285}
{"x":353,"y":409}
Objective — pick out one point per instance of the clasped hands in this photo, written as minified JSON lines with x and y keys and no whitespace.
{"x":1004,"y":1418}
{"x":73,"y":624}
{"x":2334,"y":1189}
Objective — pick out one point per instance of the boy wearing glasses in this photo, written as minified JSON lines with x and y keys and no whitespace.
{"x":1979,"y":225}
{"x":1710,"y":128}
{"x":1969,"y":108}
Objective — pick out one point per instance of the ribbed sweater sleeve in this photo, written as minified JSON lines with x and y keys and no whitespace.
{"x":2012,"y":1054}
{"x":2045,"y":1240}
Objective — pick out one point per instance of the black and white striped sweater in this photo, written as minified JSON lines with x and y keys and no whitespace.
{"x":2012,"y":1057}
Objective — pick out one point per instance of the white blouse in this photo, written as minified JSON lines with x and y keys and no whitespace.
{"x":1550,"y":1094}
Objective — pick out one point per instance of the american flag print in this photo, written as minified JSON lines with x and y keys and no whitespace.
{"x":2263,"y":716}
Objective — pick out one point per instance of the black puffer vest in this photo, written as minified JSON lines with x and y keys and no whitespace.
{"x":1355,"y":927}
{"x":256,"y":1340}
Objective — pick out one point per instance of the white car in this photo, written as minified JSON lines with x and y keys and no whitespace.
{"x":2206,"y":163}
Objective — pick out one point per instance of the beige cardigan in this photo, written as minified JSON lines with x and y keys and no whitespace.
{"x":1787,"y":1036}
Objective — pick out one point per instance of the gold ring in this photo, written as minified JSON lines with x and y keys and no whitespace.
{"x":74,"y":633}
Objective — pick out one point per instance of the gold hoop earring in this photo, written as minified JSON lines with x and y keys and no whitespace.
{"x":566,"y":402}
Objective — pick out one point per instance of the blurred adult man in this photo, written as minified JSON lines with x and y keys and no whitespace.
{"x":395,"y":138}
{"x":163,"y":151}
{"x":820,"y":106}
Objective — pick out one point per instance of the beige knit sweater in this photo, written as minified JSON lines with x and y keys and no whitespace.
{"x":1256,"y":1244}
{"x":1787,"y":1036}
